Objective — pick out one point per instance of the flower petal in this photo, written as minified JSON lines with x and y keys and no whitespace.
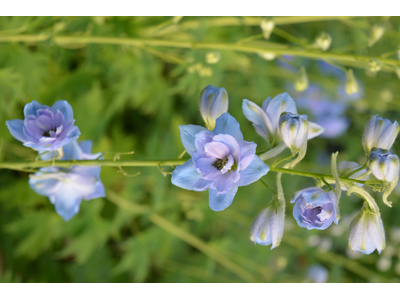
{"x":185,"y":175}
{"x":65,"y":108}
{"x":227,"y":124}
{"x":281,"y":103}
{"x":16,"y":128}
{"x":387,"y":138}
{"x":247,"y":152}
{"x":259,"y":118}
{"x":31,"y":108}
{"x":221,"y":201}
{"x":314,"y":130}
{"x":255,"y":170}
{"x":188,"y":136}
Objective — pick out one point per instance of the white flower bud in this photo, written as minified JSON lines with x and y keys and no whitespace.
{"x":294,"y":130}
{"x":351,"y":83}
{"x":267,"y":25}
{"x":366,"y":232}
{"x":379,"y":133}
{"x":383,"y":164}
{"x":374,"y":65}
{"x":323,"y":41}
{"x":301,"y":82}
{"x":376,"y":34}
{"x":268,"y":226}
{"x":213,"y":103}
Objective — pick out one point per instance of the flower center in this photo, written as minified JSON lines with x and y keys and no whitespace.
{"x":220,"y":163}
{"x":49,"y":132}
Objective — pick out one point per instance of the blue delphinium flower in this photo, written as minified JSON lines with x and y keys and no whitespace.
{"x":45,"y":128}
{"x":66,"y":187}
{"x":221,"y":161}
{"x":314,"y":208}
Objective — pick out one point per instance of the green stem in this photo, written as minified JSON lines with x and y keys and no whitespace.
{"x":361,"y":61}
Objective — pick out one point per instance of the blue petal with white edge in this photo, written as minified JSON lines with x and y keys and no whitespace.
{"x":226,"y":124}
{"x":253,"y":172}
{"x":16,"y":128}
{"x":188,"y":136}
{"x":221,"y":201}
{"x":185,"y":175}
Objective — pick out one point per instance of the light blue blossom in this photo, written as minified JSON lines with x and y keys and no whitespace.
{"x":366,"y":232}
{"x":213,"y":103}
{"x":45,"y":128}
{"x":266,"y":119}
{"x":66,"y":187}
{"x":221,"y":161}
{"x":268,"y":226}
{"x":379,"y":133}
{"x":314,"y":208}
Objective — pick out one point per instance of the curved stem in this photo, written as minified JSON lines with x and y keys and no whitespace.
{"x":283,"y":50}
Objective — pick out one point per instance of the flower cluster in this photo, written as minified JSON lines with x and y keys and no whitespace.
{"x":51,"y":131}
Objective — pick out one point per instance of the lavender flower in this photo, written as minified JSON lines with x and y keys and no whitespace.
{"x":315,"y":208}
{"x":221,"y":161}
{"x":45,"y":128}
{"x":66,"y":187}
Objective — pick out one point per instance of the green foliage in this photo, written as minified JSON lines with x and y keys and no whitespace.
{"x":133,"y":98}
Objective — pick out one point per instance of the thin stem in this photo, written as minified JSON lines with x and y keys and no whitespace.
{"x":361,"y":61}
{"x":267,"y":186}
{"x":358,"y":169}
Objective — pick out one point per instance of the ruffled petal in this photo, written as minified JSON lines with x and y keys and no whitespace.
{"x":188,"y":136}
{"x":221,"y":201}
{"x":185,"y":175}
{"x":31,"y":108}
{"x":281,"y":103}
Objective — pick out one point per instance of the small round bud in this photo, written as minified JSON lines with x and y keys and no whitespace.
{"x":213,"y":57}
{"x":374,"y":65}
{"x":267,"y":25}
{"x":383,"y":164}
{"x":301,"y":82}
{"x":351,"y":83}
{"x":323,"y":41}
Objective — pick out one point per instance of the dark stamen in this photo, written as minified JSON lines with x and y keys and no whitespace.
{"x":46,"y":134}
{"x":220,"y":163}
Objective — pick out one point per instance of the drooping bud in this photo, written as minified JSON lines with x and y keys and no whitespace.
{"x":351,"y":83}
{"x":374,"y":65}
{"x":379,"y":133}
{"x":366,"y":232}
{"x":383,"y":164}
{"x":301,"y":81}
{"x":213,"y":57}
{"x":376,"y":34}
{"x":268,"y":226}
{"x":294,"y":130}
{"x":213,"y":103}
{"x":267,"y":25}
{"x":323,"y":41}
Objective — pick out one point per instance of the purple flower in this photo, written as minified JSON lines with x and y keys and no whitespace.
{"x":45,"y":128}
{"x":315,"y":208}
{"x":66,"y":187}
{"x":221,"y":161}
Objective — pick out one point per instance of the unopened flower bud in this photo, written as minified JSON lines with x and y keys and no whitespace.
{"x":213,"y":103}
{"x":323,"y":41}
{"x":267,"y":55}
{"x":267,"y":25}
{"x":366,"y":232}
{"x":383,"y":164}
{"x":213,"y":57}
{"x":374,"y":65}
{"x":351,"y":83}
{"x":294,"y":130}
{"x":379,"y":133}
{"x":301,"y":82}
{"x":376,"y":34}
{"x":268,"y":226}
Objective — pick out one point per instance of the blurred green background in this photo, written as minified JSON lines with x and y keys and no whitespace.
{"x":133,"y":98}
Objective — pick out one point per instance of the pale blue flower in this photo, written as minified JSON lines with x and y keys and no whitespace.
{"x":314,"y":208}
{"x":268,"y":226}
{"x":66,"y":187}
{"x":45,"y":128}
{"x":221,"y":161}
{"x":379,"y":133}
{"x":213,"y":103}
{"x":383,"y":164}
{"x":366,"y":232}
{"x":266,"y":119}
